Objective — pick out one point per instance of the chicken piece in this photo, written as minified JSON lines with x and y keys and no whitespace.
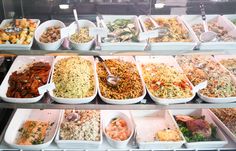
{"x":183,"y":118}
{"x":199,"y":126}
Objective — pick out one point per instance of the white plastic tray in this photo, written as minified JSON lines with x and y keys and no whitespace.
{"x":203,"y":144}
{"x":190,"y":20}
{"x":170,"y":61}
{"x":20,"y":63}
{"x":122,"y":46}
{"x":171,"y":46}
{"x":74,"y":100}
{"x":220,"y":99}
{"x":21,"y":116}
{"x":78,"y":144}
{"x":16,"y":46}
{"x":223,"y":57}
{"x":230,"y":17}
{"x":222,"y":125}
{"x":126,"y":101}
{"x":148,"y":123}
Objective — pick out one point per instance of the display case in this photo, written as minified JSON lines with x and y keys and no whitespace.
{"x":124,"y":75}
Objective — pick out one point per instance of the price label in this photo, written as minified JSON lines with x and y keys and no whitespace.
{"x":46,"y":87}
{"x":200,"y":86}
{"x":148,"y":34}
{"x":65,"y":32}
{"x":102,"y":32}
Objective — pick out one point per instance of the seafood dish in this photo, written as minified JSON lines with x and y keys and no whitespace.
{"x":118,"y":129}
{"x":83,"y":125}
{"x":82,"y":36}
{"x":168,"y":135}
{"x":50,"y":35}
{"x":164,"y":81}
{"x":25,"y":84}
{"x":121,"y":30}
{"x":230,"y":64}
{"x":24,"y":36}
{"x":129,"y":85}
{"x":222,"y":34}
{"x":33,"y":132}
{"x":228,"y":117}
{"x":176,"y":31}
{"x":198,"y":68}
{"x":74,"y":78}
{"x":196,"y":128}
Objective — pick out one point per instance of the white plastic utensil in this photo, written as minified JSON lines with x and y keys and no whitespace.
{"x":76,"y":19}
{"x":207,"y":35}
{"x":162,"y":31}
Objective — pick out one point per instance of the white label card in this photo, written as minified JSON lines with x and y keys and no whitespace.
{"x":65,"y":32}
{"x":200,"y":86}
{"x":46,"y":87}
{"x":148,"y":34}
{"x":102,"y":32}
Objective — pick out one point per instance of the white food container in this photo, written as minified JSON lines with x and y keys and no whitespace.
{"x":42,"y":28}
{"x":107,"y":118}
{"x":148,"y":122}
{"x":219,"y":99}
{"x":20,"y":63}
{"x":21,"y":115}
{"x":125,"y":101}
{"x":203,"y":144}
{"x":78,"y":144}
{"x":174,"y":47}
{"x":190,"y":20}
{"x":73,"y":29}
{"x":121,"y":46}
{"x":222,"y":125}
{"x":74,"y":100}
{"x":169,"y":61}
{"x":16,"y":46}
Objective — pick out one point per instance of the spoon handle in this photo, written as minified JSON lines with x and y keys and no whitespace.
{"x":103,"y":62}
{"x":203,"y":13}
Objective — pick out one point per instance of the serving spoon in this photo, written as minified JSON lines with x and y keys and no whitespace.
{"x":76,"y":19}
{"x":207,"y":35}
{"x":13,"y":29}
{"x":112,"y":80}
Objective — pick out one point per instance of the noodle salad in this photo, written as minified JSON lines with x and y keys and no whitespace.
{"x":130,"y":84}
{"x":164,"y":81}
{"x":200,"y":68}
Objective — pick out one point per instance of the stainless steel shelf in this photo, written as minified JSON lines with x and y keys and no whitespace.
{"x":93,"y":52}
{"x":98,"y":104}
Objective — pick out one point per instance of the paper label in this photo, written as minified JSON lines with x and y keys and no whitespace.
{"x":102,"y":32}
{"x":148,"y":34}
{"x":65,"y":32}
{"x":143,"y":101}
{"x":46,"y":87}
{"x":200,"y":86}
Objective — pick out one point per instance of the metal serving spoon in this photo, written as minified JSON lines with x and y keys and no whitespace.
{"x":207,"y":35}
{"x":112,"y":80}
{"x":76,"y":19}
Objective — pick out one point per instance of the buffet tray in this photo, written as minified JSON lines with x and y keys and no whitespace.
{"x":21,"y":115}
{"x":121,"y":46}
{"x":154,"y":121}
{"x":171,"y":46}
{"x":203,"y":144}
{"x":16,"y":46}
{"x":74,"y":100}
{"x":19,"y":64}
{"x":124,"y":101}
{"x":171,"y":62}
{"x":190,"y":20}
